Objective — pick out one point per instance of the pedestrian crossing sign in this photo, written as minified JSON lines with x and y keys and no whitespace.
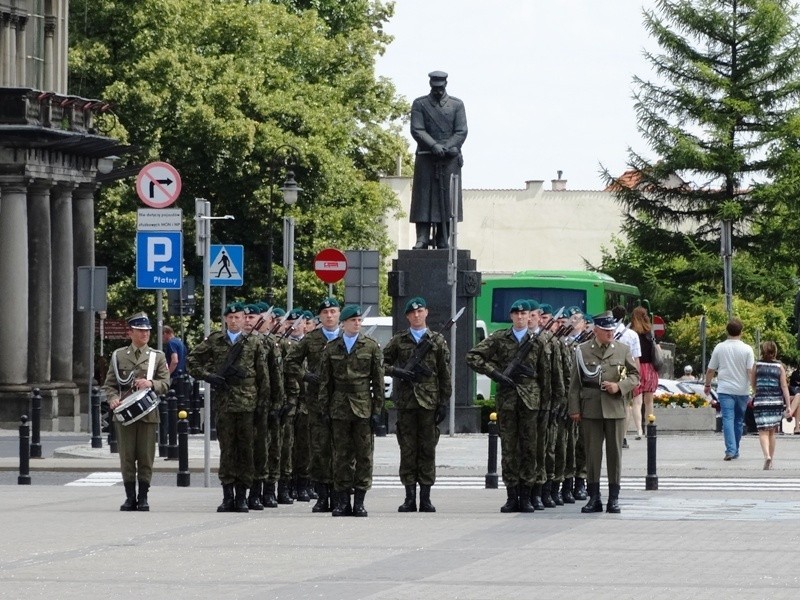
{"x":226,"y":267}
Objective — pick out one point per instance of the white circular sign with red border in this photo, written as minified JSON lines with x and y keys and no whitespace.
{"x":330,"y":265}
{"x":158,"y":184}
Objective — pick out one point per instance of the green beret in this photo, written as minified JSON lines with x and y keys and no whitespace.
{"x":547,"y":309}
{"x":278,"y":312}
{"x":588,"y":319}
{"x":308,"y":315}
{"x":572,"y":310}
{"x":533,"y":304}
{"x":252,"y":309}
{"x":519,"y":306}
{"x":415,"y":303}
{"x":262,"y":306}
{"x":350,"y":311}
{"x":329,"y":302}
{"x":295,"y":314}
{"x":234,"y":307}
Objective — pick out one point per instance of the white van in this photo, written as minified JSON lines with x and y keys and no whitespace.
{"x":382,"y":333}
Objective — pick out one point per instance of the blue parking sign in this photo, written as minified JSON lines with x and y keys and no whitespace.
{"x":159,"y":260}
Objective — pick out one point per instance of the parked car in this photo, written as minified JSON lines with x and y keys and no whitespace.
{"x":673,"y":386}
{"x":381,"y":333}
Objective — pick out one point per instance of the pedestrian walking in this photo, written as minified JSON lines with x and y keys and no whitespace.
{"x":770,"y":399}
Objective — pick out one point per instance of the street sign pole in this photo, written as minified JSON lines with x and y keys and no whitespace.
{"x":202,"y":209}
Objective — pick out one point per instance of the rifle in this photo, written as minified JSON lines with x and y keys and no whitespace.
{"x":515,"y":366}
{"x":298,"y":323}
{"x":313,"y":378}
{"x":230,"y":370}
{"x":414,"y":369}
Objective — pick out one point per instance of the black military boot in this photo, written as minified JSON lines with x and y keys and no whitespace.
{"x":302,"y":490}
{"x":254,"y":499}
{"x":268,"y":497}
{"x":536,"y":497}
{"x":580,"y":489}
{"x":595,"y":503}
{"x":322,"y":499}
{"x":283,"y":493}
{"x":227,"y":498}
{"x":240,"y":501}
{"x":423,"y":236}
{"x":547,"y":496}
{"x":358,"y":503}
{"x":525,"y":499}
{"x":130,"y":497}
{"x":425,"y":499}
{"x":613,"y":499}
{"x":442,"y":236}
{"x":342,"y":508}
{"x":512,"y":503}
{"x":311,"y":489}
{"x":141,"y":499}
{"x":410,"y":504}
{"x":292,"y":487}
{"x":566,"y":491}
{"x":555,"y":493}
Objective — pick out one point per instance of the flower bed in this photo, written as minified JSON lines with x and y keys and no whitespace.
{"x":691,"y":415}
{"x":682,"y":400}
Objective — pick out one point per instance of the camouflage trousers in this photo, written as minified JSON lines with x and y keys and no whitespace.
{"x":542,"y":440}
{"x":274,"y":445}
{"x":235,"y":436}
{"x":260,"y":445}
{"x":287,"y":447}
{"x":556,"y":459}
{"x":417,"y":436}
{"x":321,"y":466}
{"x":352,"y":453}
{"x":301,"y":453}
{"x":518,"y":444}
{"x":137,"y":450}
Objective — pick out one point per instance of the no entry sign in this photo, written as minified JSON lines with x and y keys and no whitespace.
{"x":330,"y":265}
{"x":659,"y":327}
{"x":158,"y":184}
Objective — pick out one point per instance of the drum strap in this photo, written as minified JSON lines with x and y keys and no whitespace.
{"x":151,"y":365}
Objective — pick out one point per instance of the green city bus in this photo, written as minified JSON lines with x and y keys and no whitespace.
{"x":590,"y":291}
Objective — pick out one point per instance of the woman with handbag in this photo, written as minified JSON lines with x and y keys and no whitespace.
{"x":648,"y":376}
{"x":770,"y":399}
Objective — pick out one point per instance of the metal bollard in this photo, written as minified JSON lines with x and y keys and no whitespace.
{"x":97,"y":439}
{"x":194,"y":408}
{"x":491,"y":474}
{"x":24,"y":452}
{"x":651,"y":481}
{"x":36,"y":424}
{"x":183,"y":450}
{"x":113,"y":446}
{"x":163,"y":428}
{"x":172,"y":413}
{"x":382,"y":429}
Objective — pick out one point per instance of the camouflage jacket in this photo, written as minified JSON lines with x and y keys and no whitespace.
{"x":497,"y":351}
{"x":351,"y":383}
{"x":558,"y":388}
{"x":305,"y":357}
{"x":244,"y":395}
{"x":431,"y":389}
{"x":297,"y":401}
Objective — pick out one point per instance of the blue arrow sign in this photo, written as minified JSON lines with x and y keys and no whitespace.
{"x":159,"y":260}
{"x":226,"y":265}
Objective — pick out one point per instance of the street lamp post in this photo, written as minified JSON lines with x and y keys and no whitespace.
{"x":290,"y":191}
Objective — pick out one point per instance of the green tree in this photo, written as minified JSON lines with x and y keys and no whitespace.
{"x":725,"y":96}
{"x":234,"y":94}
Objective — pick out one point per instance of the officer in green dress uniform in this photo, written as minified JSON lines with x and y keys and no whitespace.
{"x":133,"y":368}
{"x":234,"y":363}
{"x":351,"y":394}
{"x":518,"y":400}
{"x":302,"y":367}
{"x":421,"y":397}
{"x":603,"y":374}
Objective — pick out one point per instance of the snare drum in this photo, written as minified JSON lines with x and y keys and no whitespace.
{"x":136,"y":406}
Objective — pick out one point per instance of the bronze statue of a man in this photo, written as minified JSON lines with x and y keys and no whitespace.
{"x":439,"y":125}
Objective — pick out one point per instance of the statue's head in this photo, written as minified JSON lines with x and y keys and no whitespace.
{"x":438,"y":81}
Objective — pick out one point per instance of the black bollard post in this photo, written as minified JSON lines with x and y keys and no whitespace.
{"x":113,"y":446}
{"x":381,"y":429}
{"x":172,"y":412}
{"x":97,"y":439}
{"x":24,"y":452}
{"x":194,"y":408}
{"x":163,"y":427}
{"x":183,"y":450}
{"x":651,"y":482}
{"x":491,"y":474}
{"x":36,"y":424}
{"x":213,"y":424}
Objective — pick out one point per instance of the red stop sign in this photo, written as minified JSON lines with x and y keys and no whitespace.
{"x":330,"y":265}
{"x":659,"y":327}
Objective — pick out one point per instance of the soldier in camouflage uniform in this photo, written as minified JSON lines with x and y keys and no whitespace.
{"x":351,"y":395}
{"x":128,"y":374}
{"x":258,"y":494}
{"x":518,"y":401}
{"x":241,"y":387}
{"x":295,"y":328}
{"x":301,"y":457}
{"x":421,"y":398}
{"x":274,"y":429}
{"x":575,"y":468}
{"x":302,"y":367}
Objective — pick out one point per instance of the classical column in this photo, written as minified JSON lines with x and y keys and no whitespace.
{"x":63,"y":283}
{"x":40,"y":292}
{"x":22,"y":75}
{"x":49,"y":52}
{"x":14,"y":275}
{"x":11,"y":50}
{"x":5,"y":68}
{"x":83,"y":248}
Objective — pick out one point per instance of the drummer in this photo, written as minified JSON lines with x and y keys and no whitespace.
{"x":133,"y":368}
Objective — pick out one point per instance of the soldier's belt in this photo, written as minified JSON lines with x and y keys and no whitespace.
{"x":590,"y":383}
{"x":352,"y":388}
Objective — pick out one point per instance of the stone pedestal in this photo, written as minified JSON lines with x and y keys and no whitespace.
{"x":684,"y":418}
{"x":61,"y":408}
{"x":424,"y":273}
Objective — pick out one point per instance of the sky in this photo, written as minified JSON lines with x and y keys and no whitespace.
{"x":547,"y":84}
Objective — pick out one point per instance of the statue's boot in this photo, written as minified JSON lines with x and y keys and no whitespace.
{"x":423,"y":236}
{"x":442,"y":236}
